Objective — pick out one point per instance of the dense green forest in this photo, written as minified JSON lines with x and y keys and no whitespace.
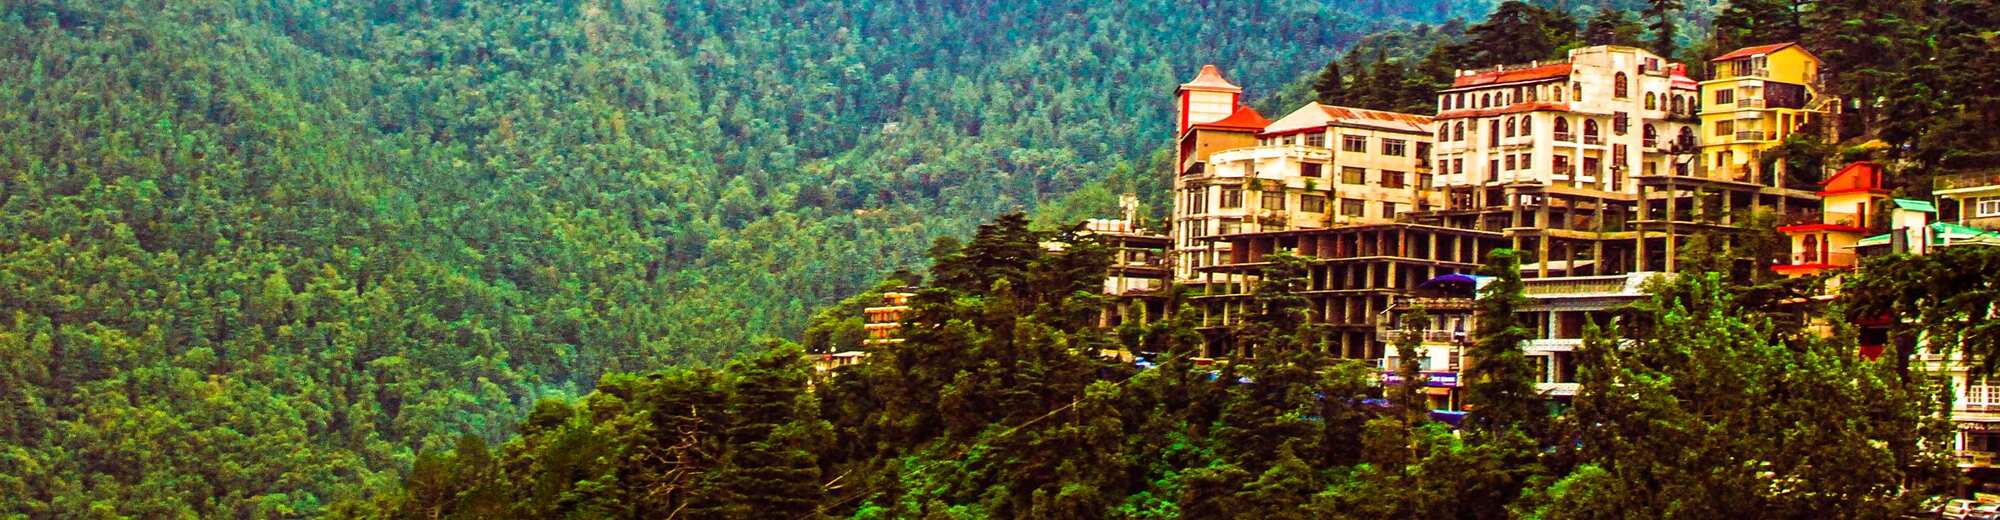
{"x":996,"y":407}
{"x":259,"y":253}
{"x":262,"y":258}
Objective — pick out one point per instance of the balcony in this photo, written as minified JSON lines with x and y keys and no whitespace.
{"x":1573,"y":285}
{"x":1565,"y":137}
{"x":1593,"y":139}
{"x":1275,"y":151}
{"x":1965,"y":180}
{"x":1429,"y":336}
{"x":1649,"y":143}
{"x":1750,"y":103}
{"x":1831,"y":218}
{"x":1750,"y":135}
{"x":1557,"y":389}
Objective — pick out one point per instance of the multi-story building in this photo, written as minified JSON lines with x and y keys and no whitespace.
{"x":884,"y":323}
{"x":1319,"y":166}
{"x":1137,"y":281}
{"x":1549,"y":153}
{"x":1759,"y":96}
{"x":1854,"y":204}
{"x":1969,"y":199}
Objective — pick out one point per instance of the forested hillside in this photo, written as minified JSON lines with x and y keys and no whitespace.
{"x":257,"y":253}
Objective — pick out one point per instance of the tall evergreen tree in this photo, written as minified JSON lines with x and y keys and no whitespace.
{"x":1330,"y":88}
{"x":1611,"y":27}
{"x":1662,"y":19}
{"x":1500,"y":380}
{"x":1519,"y":32}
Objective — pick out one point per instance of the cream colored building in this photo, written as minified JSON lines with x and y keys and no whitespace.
{"x":1320,"y":166}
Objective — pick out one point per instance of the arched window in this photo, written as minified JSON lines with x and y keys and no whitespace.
{"x":1576,"y":91}
{"x":1485,"y":100}
{"x":1679,"y":105}
{"x":1527,"y":125}
{"x":1686,"y":139}
{"x":1493,"y":133}
{"x":1558,"y":94}
{"x":1562,"y":128}
{"x":1620,"y":90}
{"x":1651,"y":103}
{"x":1458,"y":132}
{"x":1532,"y":94}
{"x":1510,"y":127}
{"x":1811,"y":246}
{"x":1589,"y":130}
{"x":1652,"y":135}
{"x":1444,"y":132}
{"x":1459,"y":101}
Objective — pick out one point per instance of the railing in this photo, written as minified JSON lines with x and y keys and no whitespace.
{"x":1816,"y":217}
{"x":1750,"y":135}
{"x":1649,"y":143}
{"x":1561,"y":389}
{"x":1966,"y":180}
{"x":1981,"y":407}
{"x":1750,"y":103}
{"x":1976,"y":458}
{"x":1392,"y":336}
{"x":1593,"y":139}
{"x":1565,"y":137}
{"x":1551,"y":345}
{"x":1572,"y":285}
{"x":1273,"y":150}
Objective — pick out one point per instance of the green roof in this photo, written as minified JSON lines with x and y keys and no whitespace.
{"x":1916,"y":205}
{"x":1941,"y":232}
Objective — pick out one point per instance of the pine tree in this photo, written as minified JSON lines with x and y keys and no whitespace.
{"x":1661,"y":16}
{"x":773,"y":437}
{"x":1611,"y":27}
{"x":1500,"y":380}
{"x":1518,"y":32}
{"x":1330,"y":87}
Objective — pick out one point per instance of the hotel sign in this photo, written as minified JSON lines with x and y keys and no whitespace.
{"x":1441,"y":379}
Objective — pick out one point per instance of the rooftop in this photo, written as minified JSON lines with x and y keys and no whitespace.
{"x":1315,"y":115}
{"x":1511,"y":74}
{"x":1210,"y":79}
{"x":1754,"y":50}
{"x":1243,"y":119}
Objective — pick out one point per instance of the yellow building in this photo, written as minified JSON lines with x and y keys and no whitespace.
{"x":1759,"y":95}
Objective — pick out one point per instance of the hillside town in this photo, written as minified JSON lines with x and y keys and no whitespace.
{"x":1601,"y":168}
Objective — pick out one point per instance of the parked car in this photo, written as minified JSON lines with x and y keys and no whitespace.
{"x":1984,"y":512}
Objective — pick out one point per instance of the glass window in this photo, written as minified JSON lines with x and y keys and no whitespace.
{"x":1351,"y":207}
{"x":1987,"y":207}
{"x":1395,"y":147}
{"x":1619,"y":89}
{"x":1725,"y":96}
{"x":1232,"y":198}
{"x":1310,"y":170}
{"x":1273,"y":200}
{"x":1312,"y":203}
{"x":1353,"y":175}
{"x":1353,"y":143}
{"x":1317,"y":139}
{"x":1392,"y":179}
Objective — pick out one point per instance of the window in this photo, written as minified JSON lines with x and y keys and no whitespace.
{"x":1510,"y":162}
{"x":1679,"y":105}
{"x":1395,"y":147}
{"x":1458,"y":165}
{"x":1485,"y":100}
{"x":1562,"y":128}
{"x":1590,"y":133}
{"x":1352,"y":175}
{"x":1493,"y":133}
{"x":1310,"y":170}
{"x":1424,"y":181}
{"x":1272,"y":200}
{"x":1392,"y":179}
{"x":1650,"y":136}
{"x":1621,"y":123}
{"x":1558,"y":94}
{"x":1288,"y":140}
{"x":1444,"y":133}
{"x":1725,"y":127}
{"x":1561,"y":164}
{"x":1458,"y":131}
{"x":1316,"y":139}
{"x":1527,"y":125}
{"x":1312,"y":203}
{"x":1618,"y":155}
{"x":1353,"y":143}
{"x":1576,"y":91}
{"x":1510,"y":127}
{"x":1231,"y":226}
{"x":1725,"y":96}
{"x":1351,"y":207}
{"x":1987,"y":207}
{"x":1686,"y":139}
{"x":1620,"y":89}
{"x":1232,"y":198}
{"x":1811,"y":249}
{"x":1652,"y":103}
{"x":1389,"y":209}
{"x":1197,"y":201}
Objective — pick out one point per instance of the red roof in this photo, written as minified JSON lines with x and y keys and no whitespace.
{"x":1495,"y":77}
{"x":1753,"y":51}
{"x":1516,"y":108}
{"x":1859,"y":176}
{"x":1244,"y":118}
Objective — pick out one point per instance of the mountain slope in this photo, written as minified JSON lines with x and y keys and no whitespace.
{"x":257,"y":250}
